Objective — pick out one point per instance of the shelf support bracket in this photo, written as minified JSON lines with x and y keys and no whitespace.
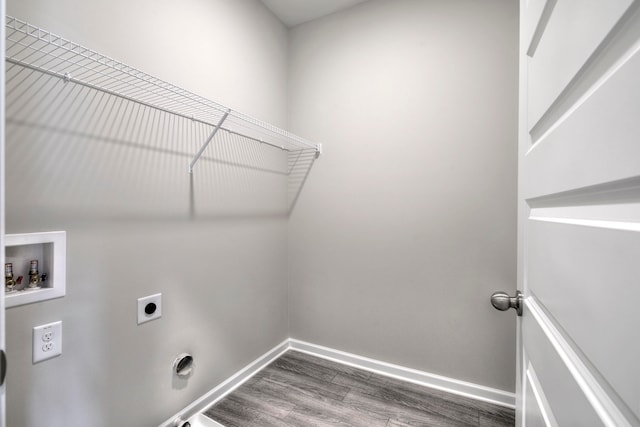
{"x":208,"y":141}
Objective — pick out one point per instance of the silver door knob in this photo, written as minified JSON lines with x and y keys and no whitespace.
{"x":502,"y":301}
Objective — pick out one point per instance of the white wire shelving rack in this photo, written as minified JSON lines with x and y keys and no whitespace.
{"x":36,"y":49}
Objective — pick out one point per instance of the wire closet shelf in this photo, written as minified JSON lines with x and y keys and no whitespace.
{"x":36,"y":49}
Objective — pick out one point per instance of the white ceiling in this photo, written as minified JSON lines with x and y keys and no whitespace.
{"x":294,"y":12}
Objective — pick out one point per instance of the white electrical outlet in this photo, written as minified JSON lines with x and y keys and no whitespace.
{"x":149,"y":308}
{"x":47,"y":341}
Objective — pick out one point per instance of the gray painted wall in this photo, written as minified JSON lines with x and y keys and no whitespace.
{"x":402,"y":230}
{"x":126,"y":210}
{"x":407,"y":223}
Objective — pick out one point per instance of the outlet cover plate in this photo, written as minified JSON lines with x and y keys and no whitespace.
{"x":146,"y":304}
{"x":47,"y":341}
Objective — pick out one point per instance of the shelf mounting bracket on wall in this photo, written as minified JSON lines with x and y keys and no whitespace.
{"x":208,"y":141}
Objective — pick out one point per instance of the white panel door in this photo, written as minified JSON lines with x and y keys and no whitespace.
{"x":579,"y":213}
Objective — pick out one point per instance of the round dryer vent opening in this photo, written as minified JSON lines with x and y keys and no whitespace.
{"x":183,"y":365}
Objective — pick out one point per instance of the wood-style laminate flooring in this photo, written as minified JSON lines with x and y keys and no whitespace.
{"x":305,"y":391}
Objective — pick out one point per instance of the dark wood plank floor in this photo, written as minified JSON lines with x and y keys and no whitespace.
{"x":301,"y":390}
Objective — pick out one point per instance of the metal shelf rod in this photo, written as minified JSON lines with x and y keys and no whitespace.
{"x":261,"y":141}
{"x":208,"y":141}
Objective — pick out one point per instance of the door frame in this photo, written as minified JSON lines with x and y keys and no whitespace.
{"x":2,"y":198}
{"x":522,"y":209}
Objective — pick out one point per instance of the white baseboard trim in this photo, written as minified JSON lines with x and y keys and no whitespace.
{"x":450,"y":385}
{"x":230,"y":384}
